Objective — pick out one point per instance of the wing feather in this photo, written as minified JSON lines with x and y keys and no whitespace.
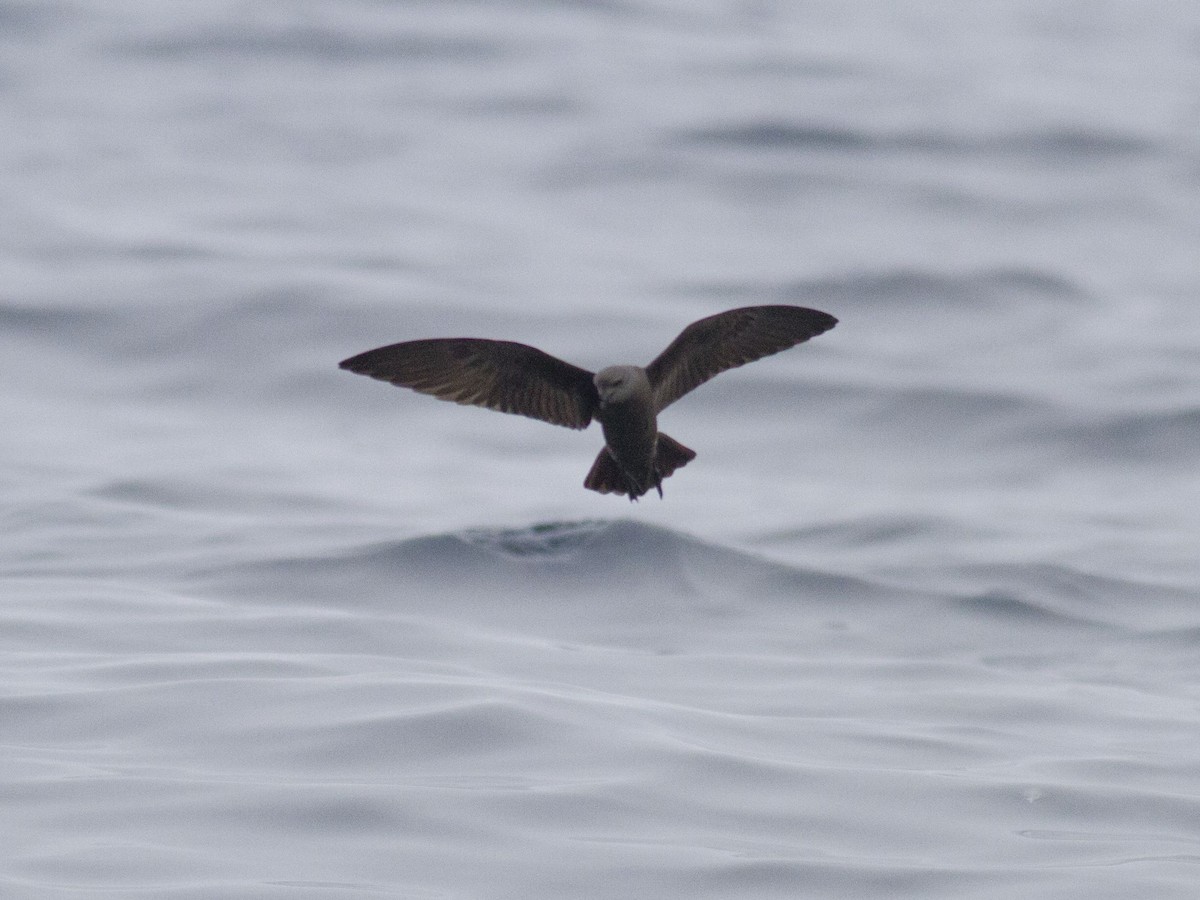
{"x":500,"y":375}
{"x":710,"y":346}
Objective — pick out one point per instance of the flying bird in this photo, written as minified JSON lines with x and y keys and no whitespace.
{"x":625,"y":400}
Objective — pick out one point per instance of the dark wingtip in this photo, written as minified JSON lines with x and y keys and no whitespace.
{"x":354,"y":363}
{"x":821,"y":321}
{"x":816,"y":322}
{"x":365,"y":363}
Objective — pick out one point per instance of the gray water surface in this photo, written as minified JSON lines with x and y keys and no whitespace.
{"x":921,"y":619}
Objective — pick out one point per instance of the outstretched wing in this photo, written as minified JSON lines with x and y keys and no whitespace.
{"x":727,"y":340}
{"x":499,"y":375}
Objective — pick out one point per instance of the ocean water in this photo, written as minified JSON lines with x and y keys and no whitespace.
{"x":922,"y":619}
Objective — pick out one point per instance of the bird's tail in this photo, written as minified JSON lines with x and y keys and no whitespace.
{"x":606,"y":477}
{"x":671,"y":455}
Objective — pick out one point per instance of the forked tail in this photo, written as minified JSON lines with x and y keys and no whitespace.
{"x":607,"y":477}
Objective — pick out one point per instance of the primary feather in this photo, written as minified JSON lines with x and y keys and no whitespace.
{"x":710,"y":346}
{"x":500,"y":375}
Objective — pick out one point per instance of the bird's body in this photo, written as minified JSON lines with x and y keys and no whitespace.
{"x":626,"y":400}
{"x":636,"y":456}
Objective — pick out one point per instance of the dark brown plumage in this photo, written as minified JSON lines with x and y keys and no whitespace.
{"x":499,"y":375}
{"x":516,"y":378}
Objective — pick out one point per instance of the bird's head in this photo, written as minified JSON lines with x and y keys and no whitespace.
{"x":620,"y":384}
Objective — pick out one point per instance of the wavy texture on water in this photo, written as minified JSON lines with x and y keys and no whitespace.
{"x":577,"y":700}
{"x":1051,"y":144}
{"x":312,"y":44}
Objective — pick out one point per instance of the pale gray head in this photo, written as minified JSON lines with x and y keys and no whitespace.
{"x":620,"y":384}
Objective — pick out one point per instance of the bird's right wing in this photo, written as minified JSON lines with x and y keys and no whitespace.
{"x":710,"y":346}
{"x":500,"y":375}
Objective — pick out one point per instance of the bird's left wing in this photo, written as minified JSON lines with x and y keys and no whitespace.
{"x":500,"y":375}
{"x":710,"y":346}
